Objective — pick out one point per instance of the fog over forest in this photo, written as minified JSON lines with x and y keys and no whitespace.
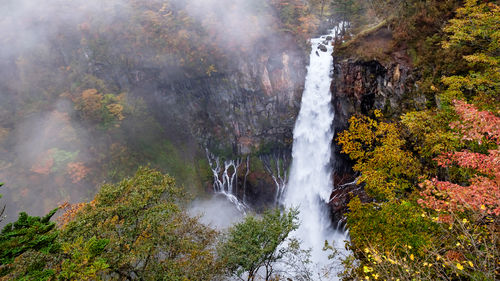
{"x":304,"y":140}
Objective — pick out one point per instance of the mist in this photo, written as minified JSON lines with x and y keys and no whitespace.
{"x":52,"y":148}
{"x":216,"y":212}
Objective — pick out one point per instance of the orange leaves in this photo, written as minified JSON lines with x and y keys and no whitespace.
{"x":77,"y":171}
{"x":71,"y":210}
{"x":104,"y":109}
{"x":89,"y":104}
{"x":483,"y":193}
{"x":44,"y":163}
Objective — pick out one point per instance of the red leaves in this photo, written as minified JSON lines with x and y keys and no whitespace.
{"x":476,"y":125}
{"x":483,"y":194}
{"x":484,"y":163}
{"x":77,"y":171}
{"x":44,"y":163}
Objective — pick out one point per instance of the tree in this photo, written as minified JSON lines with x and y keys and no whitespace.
{"x":483,"y":193}
{"x":255,"y":243}
{"x":348,"y":12}
{"x":387,"y":168}
{"x":27,"y":233}
{"x":476,"y":28}
{"x":83,"y":259}
{"x":148,"y":233}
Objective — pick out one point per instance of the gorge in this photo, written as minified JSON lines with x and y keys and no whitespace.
{"x":215,"y":140}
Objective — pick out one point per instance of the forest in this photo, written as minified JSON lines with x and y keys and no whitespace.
{"x":98,"y":178}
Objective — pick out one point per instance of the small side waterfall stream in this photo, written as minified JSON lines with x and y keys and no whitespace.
{"x":226,"y":179}
{"x":310,"y":184}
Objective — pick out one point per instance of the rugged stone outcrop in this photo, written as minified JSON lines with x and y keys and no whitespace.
{"x":248,"y":108}
{"x":359,"y":87}
{"x":241,"y":110}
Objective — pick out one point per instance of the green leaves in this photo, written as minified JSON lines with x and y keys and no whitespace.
{"x":27,"y":233}
{"x":254,"y":243}
{"x":475,"y":29}
{"x":83,"y":261}
{"x":139,"y":227}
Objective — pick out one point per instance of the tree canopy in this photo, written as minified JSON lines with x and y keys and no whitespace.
{"x":258,"y":243}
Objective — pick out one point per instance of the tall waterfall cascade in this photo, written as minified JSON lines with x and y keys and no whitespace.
{"x":308,"y":185}
{"x":310,"y":181}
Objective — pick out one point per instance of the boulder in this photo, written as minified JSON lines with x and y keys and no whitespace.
{"x":322,"y":48}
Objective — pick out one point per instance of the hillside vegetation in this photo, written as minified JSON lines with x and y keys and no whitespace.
{"x":434,"y":174}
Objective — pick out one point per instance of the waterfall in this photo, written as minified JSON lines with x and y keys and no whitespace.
{"x":276,"y":166}
{"x":226,"y":179}
{"x":310,"y":183}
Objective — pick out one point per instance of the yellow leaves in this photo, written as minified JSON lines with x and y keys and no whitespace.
{"x":412,"y":257}
{"x":114,"y":219}
{"x":377,"y":148}
{"x":105,"y":109}
{"x":211,"y":69}
{"x":459,"y":266}
{"x":483,"y":207}
{"x":367,"y":269}
{"x":116,"y":110}
{"x":471,"y":264}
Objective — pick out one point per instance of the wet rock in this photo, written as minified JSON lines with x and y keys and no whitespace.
{"x":229,"y":108}
{"x":329,"y":38}
{"x":359,"y":87}
{"x":341,"y":196}
{"x":322,"y":48}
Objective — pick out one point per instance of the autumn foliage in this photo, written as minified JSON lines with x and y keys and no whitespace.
{"x":445,"y":225}
{"x":483,"y":193}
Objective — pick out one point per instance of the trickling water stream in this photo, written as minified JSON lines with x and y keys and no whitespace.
{"x":226,"y":179}
{"x":310,"y":184}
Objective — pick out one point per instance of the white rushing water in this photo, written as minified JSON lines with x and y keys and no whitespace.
{"x":226,"y":179}
{"x":310,"y":183}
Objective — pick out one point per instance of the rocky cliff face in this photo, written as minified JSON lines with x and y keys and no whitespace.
{"x":238,"y":110}
{"x":249,"y":108}
{"x":359,"y":87}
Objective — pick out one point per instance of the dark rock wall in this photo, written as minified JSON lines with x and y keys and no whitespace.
{"x":359,"y":87}
{"x":237,"y":111}
{"x":249,"y":108}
